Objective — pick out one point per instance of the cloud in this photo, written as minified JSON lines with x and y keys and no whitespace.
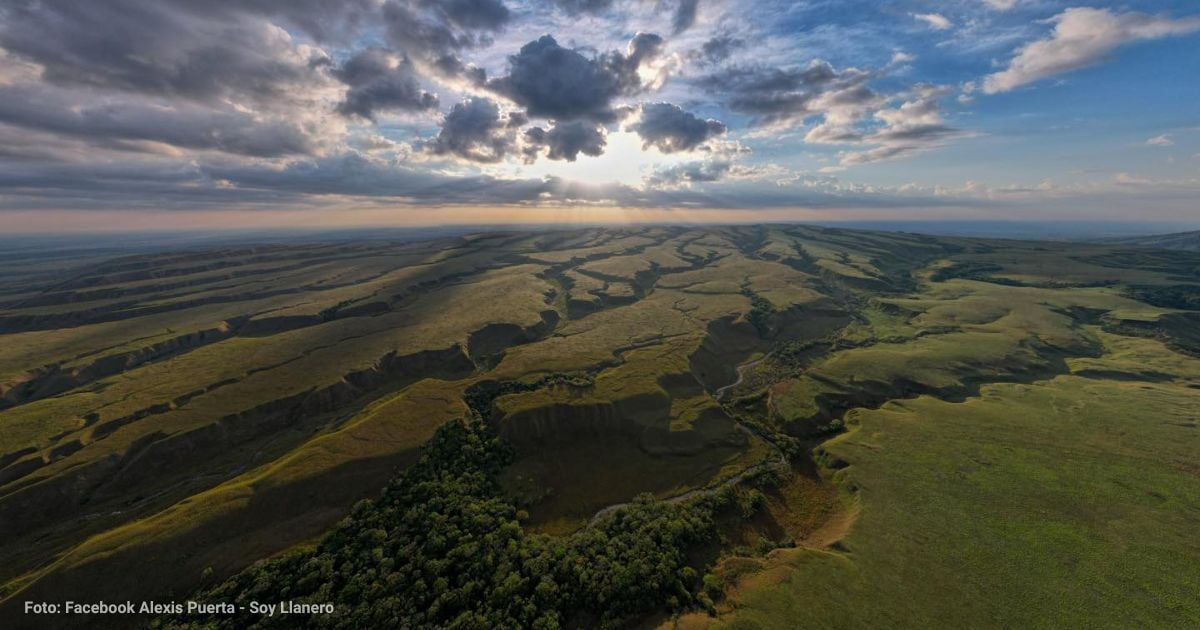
{"x":685,"y":15}
{"x":1001,"y":5}
{"x":474,"y":131}
{"x":157,"y":49}
{"x":688,"y":172}
{"x":670,"y":129}
{"x":559,"y":83}
{"x":270,"y":103}
{"x":379,"y":80}
{"x":565,"y":141}
{"x":718,"y":49}
{"x":780,"y":96}
{"x":120,"y":121}
{"x":914,"y":126}
{"x":577,"y":7}
{"x":432,"y":33}
{"x":322,"y":20}
{"x":842,"y":110}
{"x":171,"y":75}
{"x":848,"y":109}
{"x":1082,"y":37}
{"x":936,"y":21}
{"x":1163,"y":140}
{"x":721,"y":160}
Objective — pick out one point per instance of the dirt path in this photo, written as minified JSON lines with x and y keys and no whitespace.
{"x":741,"y":372}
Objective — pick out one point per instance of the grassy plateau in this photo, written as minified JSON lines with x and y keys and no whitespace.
{"x":771,"y":426}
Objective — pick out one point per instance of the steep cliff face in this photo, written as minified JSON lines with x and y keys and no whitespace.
{"x":727,"y":341}
{"x":494,"y":339}
{"x":55,"y":379}
{"x":178,"y":383}
{"x":644,"y":420}
{"x":28,"y":503}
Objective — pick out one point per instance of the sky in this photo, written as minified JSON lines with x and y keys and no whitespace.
{"x":226,"y":114}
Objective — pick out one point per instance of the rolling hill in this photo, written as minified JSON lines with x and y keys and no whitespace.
{"x":1182,"y":241}
{"x":815,"y":427}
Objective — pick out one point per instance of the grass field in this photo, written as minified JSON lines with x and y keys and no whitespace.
{"x":1066,"y":498}
{"x":1003,"y":433}
{"x":1071,"y":502}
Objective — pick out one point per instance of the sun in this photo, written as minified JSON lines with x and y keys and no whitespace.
{"x":623,"y":162}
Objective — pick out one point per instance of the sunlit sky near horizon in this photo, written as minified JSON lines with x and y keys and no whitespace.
{"x":126,"y":114}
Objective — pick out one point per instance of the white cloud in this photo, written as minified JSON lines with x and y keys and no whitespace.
{"x":1082,"y":37}
{"x":1125,"y":179}
{"x":1001,"y":5}
{"x":1160,"y":141}
{"x":966,"y":97}
{"x":936,"y":21}
{"x":916,"y":125}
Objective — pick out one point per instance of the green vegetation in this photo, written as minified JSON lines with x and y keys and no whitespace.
{"x":796,"y":426}
{"x":1184,"y":296}
{"x":1068,"y":503}
{"x":760,"y":312}
{"x":1021,"y":456}
{"x":442,"y":547}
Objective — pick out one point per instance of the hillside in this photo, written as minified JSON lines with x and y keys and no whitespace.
{"x":816,"y":426}
{"x":1181,"y":241}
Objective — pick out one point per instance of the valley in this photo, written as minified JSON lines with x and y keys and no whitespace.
{"x":858,"y":427}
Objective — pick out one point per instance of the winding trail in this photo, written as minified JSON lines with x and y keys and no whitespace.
{"x":741,"y":373}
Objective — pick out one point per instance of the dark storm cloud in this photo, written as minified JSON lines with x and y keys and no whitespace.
{"x":685,"y":15}
{"x":773,"y":95}
{"x":60,"y":111}
{"x":565,"y":141}
{"x":670,"y":129}
{"x":156,"y":48}
{"x":643,"y":47}
{"x":559,"y":83}
{"x":323,"y":20}
{"x":213,"y":104}
{"x":379,"y":81}
{"x":474,"y":130}
{"x":478,"y":14}
{"x":434,"y":31}
{"x":415,"y":34}
{"x":719,"y":48}
{"x":576,"y":7}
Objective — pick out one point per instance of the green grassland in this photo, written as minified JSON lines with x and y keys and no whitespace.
{"x":1070,"y":502}
{"x":1006,"y":460}
{"x":980,"y":432}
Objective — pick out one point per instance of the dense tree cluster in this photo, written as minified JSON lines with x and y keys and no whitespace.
{"x":760,"y":312}
{"x":443,"y":548}
{"x":982,"y":272}
{"x":1182,"y":296}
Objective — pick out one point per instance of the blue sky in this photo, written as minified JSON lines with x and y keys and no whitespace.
{"x":441,"y":111}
